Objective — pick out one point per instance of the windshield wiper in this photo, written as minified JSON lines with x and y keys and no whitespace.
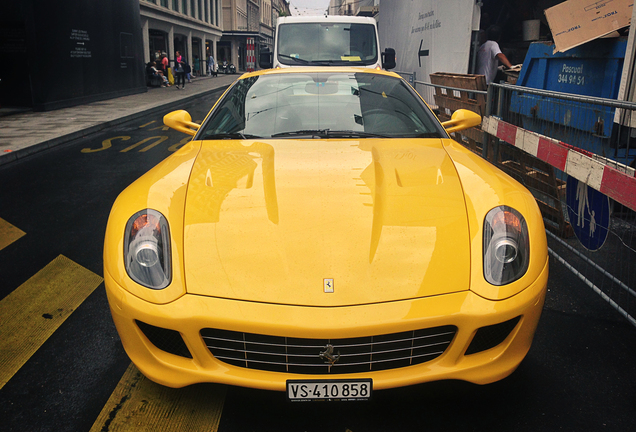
{"x":320,"y":133}
{"x":328,"y":62}
{"x":352,"y":134}
{"x":327,"y":133}
{"x":232,"y":135}
{"x":293,"y":58}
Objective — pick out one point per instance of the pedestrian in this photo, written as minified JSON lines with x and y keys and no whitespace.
{"x":188,"y":70}
{"x":165,"y":63}
{"x":197,"y":66}
{"x":211,"y":66}
{"x":489,"y":55}
{"x":154,"y":72}
{"x":179,"y":69}
{"x":159,"y":64}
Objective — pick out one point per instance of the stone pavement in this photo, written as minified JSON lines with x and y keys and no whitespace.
{"x":25,"y":133}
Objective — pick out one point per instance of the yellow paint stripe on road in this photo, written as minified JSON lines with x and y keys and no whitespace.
{"x":138,"y":404}
{"x":32,"y":313}
{"x":8,"y":233}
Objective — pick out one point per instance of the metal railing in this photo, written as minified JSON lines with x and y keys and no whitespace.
{"x":604,"y":127}
{"x":593,"y":133}
{"x":584,"y":138}
{"x":408,"y":76}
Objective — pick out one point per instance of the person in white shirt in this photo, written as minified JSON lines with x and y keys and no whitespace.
{"x":211,"y":66}
{"x":489,"y":55}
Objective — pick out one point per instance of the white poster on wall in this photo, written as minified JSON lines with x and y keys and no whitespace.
{"x":429,"y":35}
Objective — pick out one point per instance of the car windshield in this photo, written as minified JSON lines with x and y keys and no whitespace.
{"x":321,"y":105}
{"x":327,"y":44}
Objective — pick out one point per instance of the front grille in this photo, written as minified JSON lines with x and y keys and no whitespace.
{"x":302,"y":356}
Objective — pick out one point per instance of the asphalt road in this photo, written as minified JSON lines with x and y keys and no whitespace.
{"x":579,"y":374}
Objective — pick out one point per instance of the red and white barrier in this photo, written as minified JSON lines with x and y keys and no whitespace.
{"x":251,"y":55}
{"x":614,"y":180}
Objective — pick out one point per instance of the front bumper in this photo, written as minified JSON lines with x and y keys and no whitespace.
{"x":190,"y":313}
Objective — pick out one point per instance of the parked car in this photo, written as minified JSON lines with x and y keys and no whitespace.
{"x":323,"y":235}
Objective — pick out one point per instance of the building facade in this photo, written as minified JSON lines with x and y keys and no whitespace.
{"x":266,"y":29}
{"x":61,"y":54}
{"x":279,"y":8}
{"x":354,"y":7}
{"x":248,"y":28}
{"x":230,"y":30}
{"x":241,"y":30}
{"x":192,"y":27}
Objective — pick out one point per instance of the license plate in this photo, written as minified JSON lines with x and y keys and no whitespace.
{"x":329,"y":390}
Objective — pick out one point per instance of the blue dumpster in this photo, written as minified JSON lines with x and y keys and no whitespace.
{"x":593,"y":69}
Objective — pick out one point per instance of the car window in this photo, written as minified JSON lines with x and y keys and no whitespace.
{"x":331,"y":43}
{"x":321,"y":104}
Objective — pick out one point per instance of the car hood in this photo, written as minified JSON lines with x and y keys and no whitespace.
{"x":283,"y":221}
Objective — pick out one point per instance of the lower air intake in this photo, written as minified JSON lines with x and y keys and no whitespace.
{"x":166,"y":340}
{"x":491,"y":336}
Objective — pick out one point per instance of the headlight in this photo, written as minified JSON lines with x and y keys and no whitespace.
{"x":506,"y":246}
{"x":147,"y":249}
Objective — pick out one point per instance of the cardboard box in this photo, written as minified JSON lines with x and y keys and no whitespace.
{"x":575,"y":22}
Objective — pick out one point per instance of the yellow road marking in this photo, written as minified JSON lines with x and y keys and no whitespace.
{"x":32,"y":313}
{"x":8,"y":233}
{"x":106,"y":144}
{"x":138,"y":404}
{"x":158,"y":139}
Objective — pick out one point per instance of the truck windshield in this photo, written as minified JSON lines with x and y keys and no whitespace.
{"x":329,"y":44}
{"x":321,"y":105}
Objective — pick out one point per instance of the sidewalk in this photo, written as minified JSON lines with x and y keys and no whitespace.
{"x":29,"y":132}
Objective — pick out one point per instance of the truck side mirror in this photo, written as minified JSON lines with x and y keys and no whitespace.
{"x":388,"y":58}
{"x":266,"y":59}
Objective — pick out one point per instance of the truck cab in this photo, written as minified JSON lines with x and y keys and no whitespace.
{"x":332,"y":40}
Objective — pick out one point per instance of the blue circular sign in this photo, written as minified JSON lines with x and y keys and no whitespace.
{"x":589,"y":213}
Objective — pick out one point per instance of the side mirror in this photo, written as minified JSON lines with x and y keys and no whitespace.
{"x":388,"y":58}
{"x":181,"y":121}
{"x":266,"y":60}
{"x":460,"y":120}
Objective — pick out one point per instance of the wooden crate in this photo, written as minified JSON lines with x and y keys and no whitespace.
{"x":449,"y":101}
{"x":466,"y":99}
{"x":536,"y":175}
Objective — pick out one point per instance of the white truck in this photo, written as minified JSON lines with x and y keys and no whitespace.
{"x":330,"y":40}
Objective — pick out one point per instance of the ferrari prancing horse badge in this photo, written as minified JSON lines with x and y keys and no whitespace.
{"x":328,"y":285}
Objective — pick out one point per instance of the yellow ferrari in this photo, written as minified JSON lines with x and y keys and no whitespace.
{"x":324,"y":236}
